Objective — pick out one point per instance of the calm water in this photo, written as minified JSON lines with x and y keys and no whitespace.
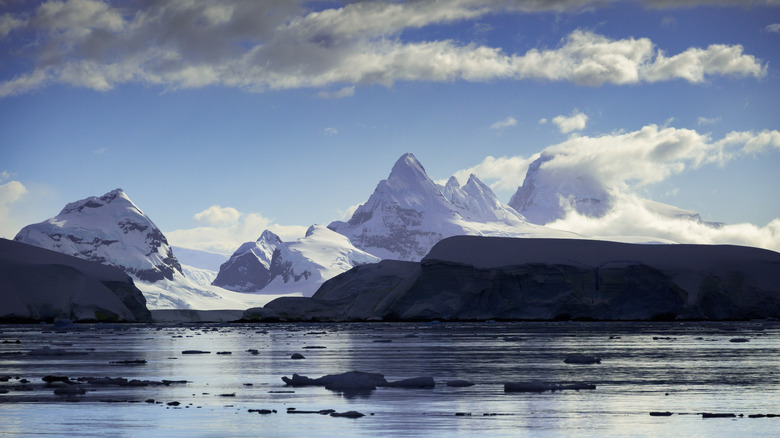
{"x":689,"y":369}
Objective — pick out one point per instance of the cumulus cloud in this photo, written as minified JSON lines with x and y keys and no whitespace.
{"x":330,"y":131}
{"x":575,"y":122}
{"x":227,"y":229}
{"x":258,"y":46}
{"x":630,"y":216}
{"x":506,"y":123}
{"x":503,"y":173}
{"x":217,"y":215}
{"x":620,"y":164}
{"x":774,"y":28}
{"x":651,"y":154}
{"x":10,"y":192}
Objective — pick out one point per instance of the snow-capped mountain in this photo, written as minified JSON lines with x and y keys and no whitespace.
{"x":272,"y":266}
{"x":546,"y":194}
{"x":249,"y":268}
{"x":111,"y":230}
{"x":408,"y":213}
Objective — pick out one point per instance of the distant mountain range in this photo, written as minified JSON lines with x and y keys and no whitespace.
{"x":407,"y":214}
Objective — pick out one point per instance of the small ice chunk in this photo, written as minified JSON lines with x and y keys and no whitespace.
{"x":582,"y":359}
{"x":457,"y":383}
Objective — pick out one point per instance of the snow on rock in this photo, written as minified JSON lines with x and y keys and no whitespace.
{"x":480,"y":278}
{"x":548,"y":192}
{"x":272,"y":266}
{"x":408,"y":213}
{"x":200,"y":259}
{"x":38,"y":284}
{"x":249,"y":268}
{"x":111,"y":230}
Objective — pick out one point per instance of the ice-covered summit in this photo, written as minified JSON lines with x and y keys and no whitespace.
{"x":248,"y":269}
{"x":408,"y":213}
{"x":109,"y":229}
{"x":272,"y":266}
{"x":548,"y":192}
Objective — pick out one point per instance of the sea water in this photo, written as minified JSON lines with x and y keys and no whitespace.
{"x":685,"y":369}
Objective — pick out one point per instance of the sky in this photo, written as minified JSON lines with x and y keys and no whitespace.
{"x":222,"y":119}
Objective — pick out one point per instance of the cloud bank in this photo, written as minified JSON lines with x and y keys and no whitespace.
{"x":274,"y":45}
{"x":225,"y":229}
{"x":10,"y":192}
{"x":623,"y":162}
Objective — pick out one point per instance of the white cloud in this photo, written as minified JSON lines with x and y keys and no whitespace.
{"x":774,"y":28}
{"x":330,"y":131}
{"x":338,"y":94}
{"x":651,"y":154}
{"x":506,"y":123}
{"x":216,"y":215}
{"x":503,"y":173}
{"x":621,"y":164}
{"x":9,"y":23}
{"x":695,"y":64}
{"x":257,"y":46}
{"x":631,"y":217}
{"x":542,"y":121}
{"x":229,"y":229}
{"x":347,"y":214}
{"x":10,"y":193}
{"x":575,"y":122}
{"x":708,"y":121}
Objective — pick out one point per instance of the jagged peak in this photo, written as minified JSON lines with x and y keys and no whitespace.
{"x":474,"y":185}
{"x":99,"y":201}
{"x":407,"y":170}
{"x":269,"y":237}
{"x":452,"y":182}
{"x":312,"y":229}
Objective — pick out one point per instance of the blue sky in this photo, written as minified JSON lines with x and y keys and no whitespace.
{"x":222,"y":119}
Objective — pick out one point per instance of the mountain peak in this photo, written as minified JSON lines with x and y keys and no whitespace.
{"x":270,"y":237}
{"x":108,"y":229}
{"x":408,"y":172}
{"x":547,"y":194}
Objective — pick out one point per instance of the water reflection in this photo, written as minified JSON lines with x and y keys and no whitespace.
{"x":684,"y":368}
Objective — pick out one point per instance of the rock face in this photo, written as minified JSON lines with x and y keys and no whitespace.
{"x":408,"y":213}
{"x":478,"y":278}
{"x":249,"y":268}
{"x":272,"y":266}
{"x":111,"y":230}
{"x":41,"y":285}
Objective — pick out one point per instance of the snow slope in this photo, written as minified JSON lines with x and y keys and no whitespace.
{"x":272,"y":266}
{"x":112,"y":230}
{"x":109,"y":229}
{"x":480,"y":278}
{"x":548,"y":192}
{"x":408,"y":213}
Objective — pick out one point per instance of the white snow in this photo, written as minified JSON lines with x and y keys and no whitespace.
{"x":408,"y":213}
{"x":184,"y":293}
{"x":311,"y":260}
{"x":109,"y":229}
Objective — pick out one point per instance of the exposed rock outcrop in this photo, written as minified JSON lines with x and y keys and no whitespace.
{"x":479,"y":278}
{"x":41,"y":285}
